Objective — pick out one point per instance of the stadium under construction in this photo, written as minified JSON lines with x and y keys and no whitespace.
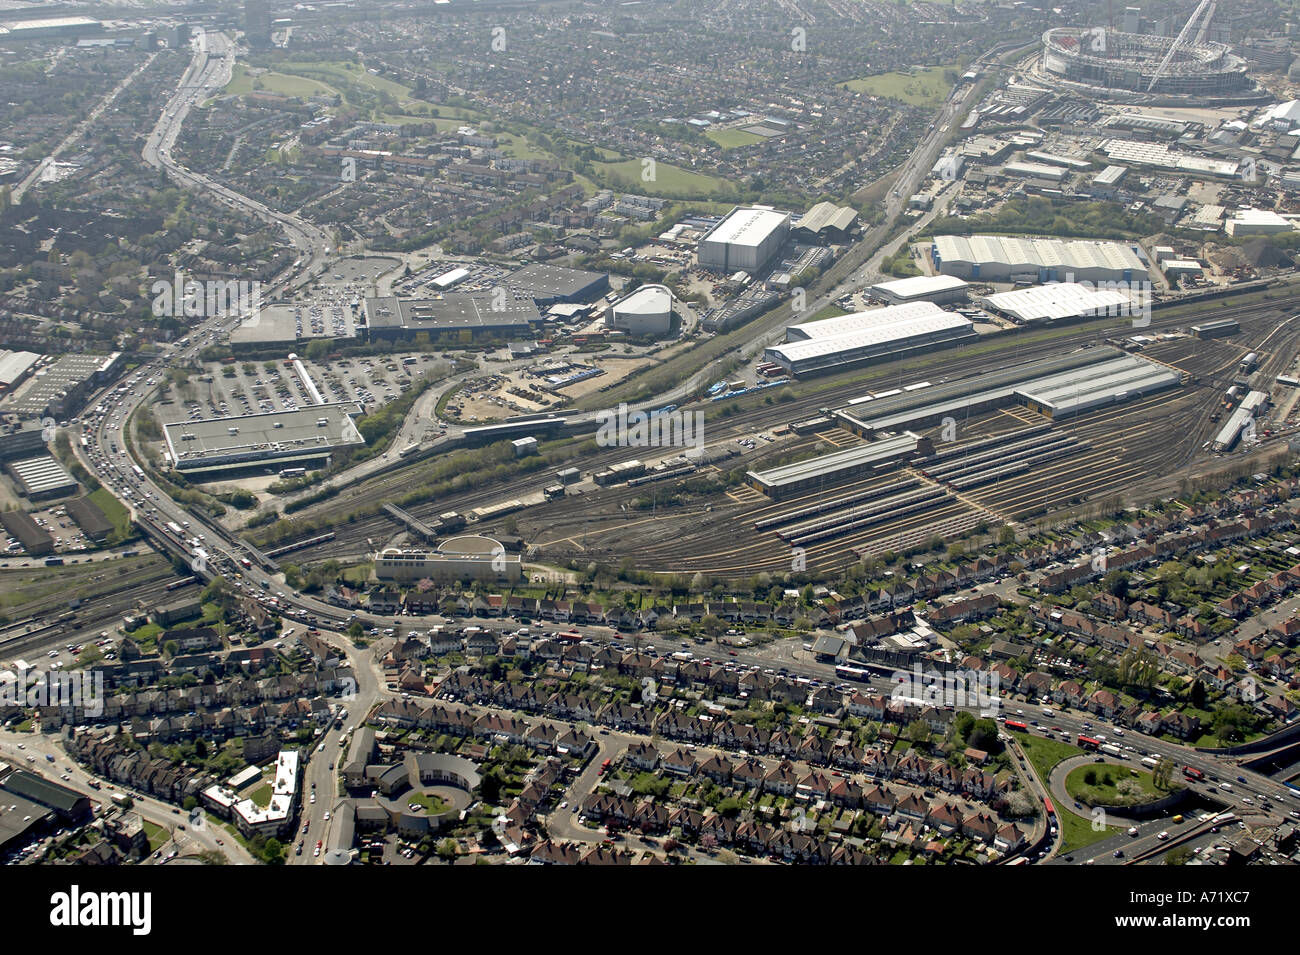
{"x":1110,"y":64}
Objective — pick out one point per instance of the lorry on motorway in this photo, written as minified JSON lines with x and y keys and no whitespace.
{"x":122,"y":800}
{"x":1110,"y":749}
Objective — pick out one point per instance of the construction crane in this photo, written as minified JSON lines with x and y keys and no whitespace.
{"x":1179,"y":40}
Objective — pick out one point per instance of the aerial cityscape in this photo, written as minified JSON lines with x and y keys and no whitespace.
{"x":584,"y":432}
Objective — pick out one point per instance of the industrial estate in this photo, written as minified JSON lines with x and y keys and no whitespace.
{"x":425,"y":443}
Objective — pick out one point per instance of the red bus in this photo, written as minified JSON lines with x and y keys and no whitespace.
{"x":572,"y":636}
{"x":1017,"y":726}
{"x":1047,"y":804}
{"x":1191,"y":772}
{"x":604,"y":767}
{"x":1087,"y":742}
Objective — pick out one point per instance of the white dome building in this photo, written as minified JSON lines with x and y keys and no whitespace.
{"x":647,"y":312}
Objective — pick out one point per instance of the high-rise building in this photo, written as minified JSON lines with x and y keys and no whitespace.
{"x":257,"y":22}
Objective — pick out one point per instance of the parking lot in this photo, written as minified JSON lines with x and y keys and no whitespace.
{"x":54,"y":521}
{"x":249,"y":388}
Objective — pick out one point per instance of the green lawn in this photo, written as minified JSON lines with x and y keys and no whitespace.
{"x":670,"y":181}
{"x":431,"y":803}
{"x":241,"y":83}
{"x":923,"y":87}
{"x":262,"y":795}
{"x":1105,"y":790}
{"x":114,"y":510}
{"x":156,"y":835}
{"x":731,"y":138}
{"x":144,"y":633}
{"x":1077,"y":832}
{"x":1044,"y":754}
{"x":830,"y":311}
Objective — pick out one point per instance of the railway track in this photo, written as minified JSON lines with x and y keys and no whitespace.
{"x":1121,"y":450}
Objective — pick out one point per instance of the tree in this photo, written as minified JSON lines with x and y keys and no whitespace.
{"x":355,"y":630}
{"x":918,"y":732}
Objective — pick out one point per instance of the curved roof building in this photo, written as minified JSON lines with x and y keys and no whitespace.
{"x":648,"y":311}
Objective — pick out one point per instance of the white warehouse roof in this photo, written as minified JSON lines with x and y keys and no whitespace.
{"x":1027,"y":254}
{"x":872,"y":319}
{"x":919,"y":285}
{"x":877,"y":335}
{"x":748,"y":227}
{"x":1054,"y":301}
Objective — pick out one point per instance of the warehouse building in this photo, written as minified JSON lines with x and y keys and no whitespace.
{"x":1062,"y":301}
{"x":1241,"y":421}
{"x":70,"y":27}
{"x":22,"y":443}
{"x":470,"y":557}
{"x":1075,"y":392}
{"x":989,"y":391}
{"x":746,"y":239}
{"x":646,"y":313}
{"x":826,"y":222}
{"x":15,"y":366}
{"x":59,"y":388}
{"x":35,"y":540}
{"x":94,"y":523}
{"x":864,"y":337}
{"x":41,"y":478}
{"x":1035,"y":170}
{"x":1105,"y":185}
{"x":454,"y":314}
{"x":1221,"y":328}
{"x":838,"y":466}
{"x":1258,"y":222}
{"x":549,"y":285}
{"x":993,"y":258}
{"x":282,"y":437}
{"x":939,"y":289}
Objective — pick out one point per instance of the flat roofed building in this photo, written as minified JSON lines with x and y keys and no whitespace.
{"x":939,"y":289}
{"x":1075,"y":392}
{"x":746,"y":238}
{"x":1258,"y":222}
{"x":647,"y":312}
{"x":498,"y":313}
{"x":864,"y":337}
{"x":993,"y":258}
{"x":872,"y":318}
{"x":549,"y":284}
{"x":838,"y":466}
{"x":15,"y":366}
{"x":1062,"y":301}
{"x":280,"y":436}
{"x":1035,"y":170}
{"x":24,"y":443}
